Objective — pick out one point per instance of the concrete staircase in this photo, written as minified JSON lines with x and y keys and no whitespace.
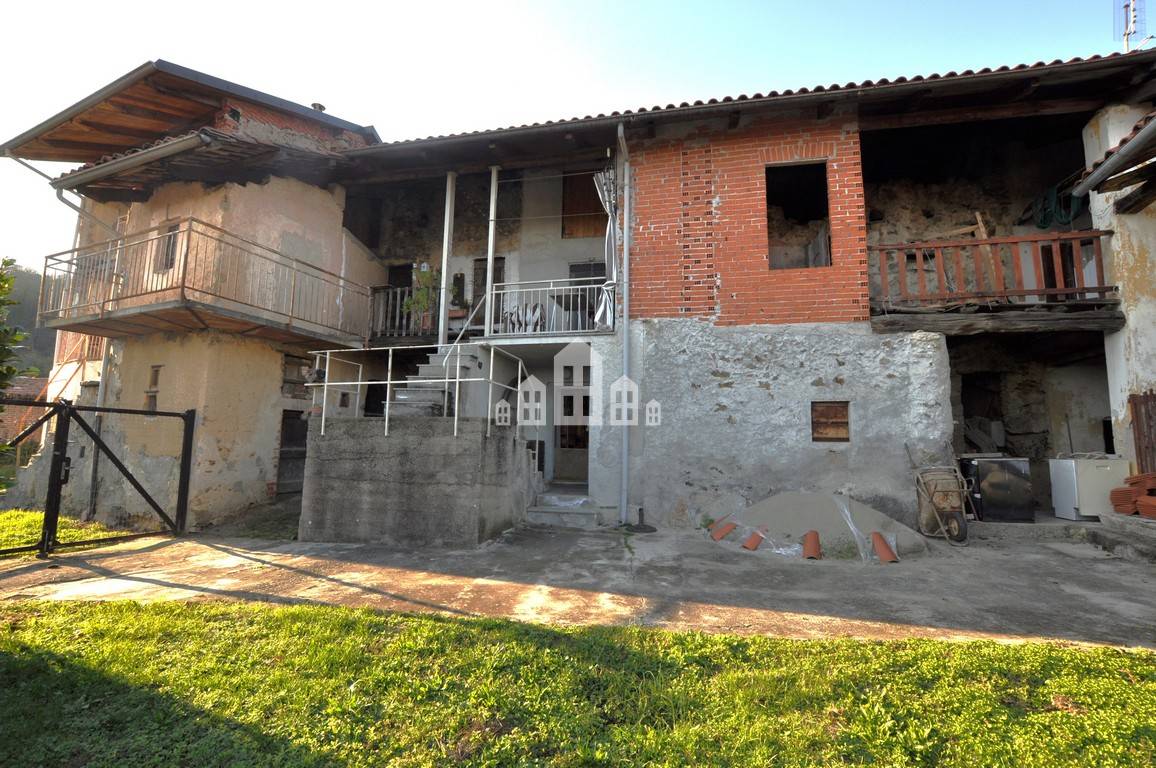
{"x":424,"y":394}
{"x":567,"y":506}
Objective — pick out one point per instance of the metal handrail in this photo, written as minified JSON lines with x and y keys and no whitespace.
{"x":191,"y":258}
{"x":445,"y":351}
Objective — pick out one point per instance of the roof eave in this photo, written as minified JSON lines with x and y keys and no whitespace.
{"x":88,"y":102}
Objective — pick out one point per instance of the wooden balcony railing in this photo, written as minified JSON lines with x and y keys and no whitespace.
{"x":1023,"y":269}
{"x":397,"y":314}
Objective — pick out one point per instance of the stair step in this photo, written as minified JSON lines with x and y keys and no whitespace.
{"x":564,"y":517}
{"x":565,"y":500}
{"x":419,"y":396}
{"x":414,"y":409}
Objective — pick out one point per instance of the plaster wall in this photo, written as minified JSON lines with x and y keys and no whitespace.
{"x":1130,"y":262}
{"x":736,"y":415}
{"x":234,"y":384}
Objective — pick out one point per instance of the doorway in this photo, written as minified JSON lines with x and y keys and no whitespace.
{"x":571,"y":453}
{"x":291,"y":455}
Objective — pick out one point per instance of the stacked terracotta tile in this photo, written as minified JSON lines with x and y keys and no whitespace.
{"x":1123,"y":500}
{"x":1137,"y":496}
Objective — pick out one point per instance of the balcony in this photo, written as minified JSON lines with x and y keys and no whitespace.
{"x":1050,"y":281}
{"x":562,"y":307}
{"x":405,"y":313}
{"x":189,"y":275}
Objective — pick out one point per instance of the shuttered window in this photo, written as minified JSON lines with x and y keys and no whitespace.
{"x":831,"y":421}
{"x":582,"y":211}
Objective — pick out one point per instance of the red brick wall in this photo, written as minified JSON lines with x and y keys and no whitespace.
{"x":700,"y":241}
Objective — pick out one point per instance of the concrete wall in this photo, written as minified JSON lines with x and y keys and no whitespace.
{"x":1077,"y":397}
{"x":421,"y":486}
{"x":736,"y":415}
{"x":1131,"y":264}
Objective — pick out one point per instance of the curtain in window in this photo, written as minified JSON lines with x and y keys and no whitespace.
{"x":608,"y":194}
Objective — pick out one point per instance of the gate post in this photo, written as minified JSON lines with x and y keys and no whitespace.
{"x":189,"y":420}
{"x":56,"y":478}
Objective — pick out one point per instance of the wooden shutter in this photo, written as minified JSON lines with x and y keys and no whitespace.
{"x":582,"y":211}
{"x":830,"y":421}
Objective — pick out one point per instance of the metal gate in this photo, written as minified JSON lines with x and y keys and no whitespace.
{"x":1143,"y":407}
{"x":66,"y":415}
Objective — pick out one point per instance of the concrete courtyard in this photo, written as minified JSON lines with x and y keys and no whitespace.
{"x":1000,"y":588}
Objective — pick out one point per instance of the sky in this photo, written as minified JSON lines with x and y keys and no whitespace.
{"x":416,"y":69}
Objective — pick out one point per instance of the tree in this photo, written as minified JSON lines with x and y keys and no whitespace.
{"x":39,"y":344}
{"x":10,"y":337}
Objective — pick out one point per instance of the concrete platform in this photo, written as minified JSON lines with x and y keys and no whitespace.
{"x":1006,"y":590}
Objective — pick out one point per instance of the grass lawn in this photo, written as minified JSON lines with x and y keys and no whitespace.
{"x":227,"y":684}
{"x":19,"y":527}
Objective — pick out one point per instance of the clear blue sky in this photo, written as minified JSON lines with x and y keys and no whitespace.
{"x":415,"y":69}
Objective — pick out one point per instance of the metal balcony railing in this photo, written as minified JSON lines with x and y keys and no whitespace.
{"x":192,"y":261}
{"x":1053,"y":267}
{"x":553,"y":307}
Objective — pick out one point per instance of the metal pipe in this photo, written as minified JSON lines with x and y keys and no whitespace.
{"x":1118,"y":161}
{"x":447,"y":249}
{"x":130,"y":162}
{"x":60,"y":196}
{"x":491,"y":243}
{"x":624,"y":482}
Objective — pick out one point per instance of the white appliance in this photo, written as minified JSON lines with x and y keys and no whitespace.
{"x":1080,"y":486}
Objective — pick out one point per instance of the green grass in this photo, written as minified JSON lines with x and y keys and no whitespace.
{"x":20,"y":527}
{"x":223,"y":684}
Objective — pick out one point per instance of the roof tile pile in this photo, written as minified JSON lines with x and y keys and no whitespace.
{"x":1138,"y":495}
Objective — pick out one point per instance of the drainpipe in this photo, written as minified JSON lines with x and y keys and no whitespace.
{"x":624,"y":482}
{"x":100,"y":390}
{"x":60,"y":196}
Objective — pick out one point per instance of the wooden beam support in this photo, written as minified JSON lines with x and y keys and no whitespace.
{"x":1129,"y":178}
{"x":1138,"y":199}
{"x":960,"y":324}
{"x":975,"y":114}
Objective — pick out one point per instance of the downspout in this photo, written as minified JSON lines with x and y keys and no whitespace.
{"x":100,"y":389}
{"x":60,"y":196}
{"x":627,"y":226}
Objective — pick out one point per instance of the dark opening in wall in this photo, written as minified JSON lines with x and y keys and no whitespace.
{"x":831,"y":421}
{"x":798,"y":224}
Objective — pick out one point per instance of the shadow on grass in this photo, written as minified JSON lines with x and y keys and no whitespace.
{"x":56,"y":712}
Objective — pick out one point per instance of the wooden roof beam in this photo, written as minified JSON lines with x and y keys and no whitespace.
{"x":976,"y":114}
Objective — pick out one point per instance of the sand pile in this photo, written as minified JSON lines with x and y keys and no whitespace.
{"x":785,"y":517}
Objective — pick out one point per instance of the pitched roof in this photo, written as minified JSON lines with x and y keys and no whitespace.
{"x":845,"y":90}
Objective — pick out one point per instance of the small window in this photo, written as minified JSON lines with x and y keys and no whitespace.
{"x":567,"y":375}
{"x":798,"y":223}
{"x":167,"y":249}
{"x":153,"y":388}
{"x":830,"y":421}
{"x":582,"y":211}
{"x":294,"y":374}
{"x":587,"y":269}
{"x":568,"y":405}
{"x":343,"y":400}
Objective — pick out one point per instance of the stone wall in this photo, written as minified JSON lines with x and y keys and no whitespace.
{"x":420,"y":486}
{"x":736,"y":415}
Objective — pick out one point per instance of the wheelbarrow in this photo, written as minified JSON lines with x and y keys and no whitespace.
{"x":944,"y":502}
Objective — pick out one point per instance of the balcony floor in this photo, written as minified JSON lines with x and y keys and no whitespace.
{"x":184,"y":316}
